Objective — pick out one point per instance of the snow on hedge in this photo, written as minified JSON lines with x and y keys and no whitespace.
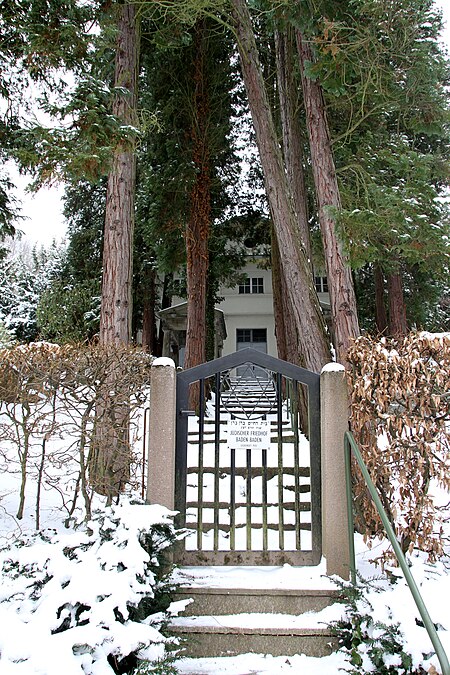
{"x":71,"y":601}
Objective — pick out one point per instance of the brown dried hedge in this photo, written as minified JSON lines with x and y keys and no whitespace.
{"x":400,"y":416}
{"x":54,"y":402}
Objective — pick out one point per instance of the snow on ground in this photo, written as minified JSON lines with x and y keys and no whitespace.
{"x":284,"y":576}
{"x":393,"y":604}
{"x":260,"y":664}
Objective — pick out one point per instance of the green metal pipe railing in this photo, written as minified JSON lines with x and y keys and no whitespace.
{"x":350,"y":446}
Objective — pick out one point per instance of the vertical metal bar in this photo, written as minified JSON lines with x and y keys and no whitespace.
{"x":280,"y":462}
{"x":315,"y":470}
{"x":144,"y":453}
{"x":294,"y":418}
{"x":216,"y":461}
{"x":429,"y":625}
{"x":233,"y":500}
{"x":249,"y":499}
{"x":264,"y":501}
{"x":351,"y":526}
{"x":201,"y":432}
{"x":181,"y":451}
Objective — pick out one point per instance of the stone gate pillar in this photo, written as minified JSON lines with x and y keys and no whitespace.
{"x":334,"y":424}
{"x":161,"y":444}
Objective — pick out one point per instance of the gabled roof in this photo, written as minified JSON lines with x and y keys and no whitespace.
{"x":174,"y":318}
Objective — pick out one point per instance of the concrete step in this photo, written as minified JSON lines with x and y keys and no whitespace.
{"x":219,"y":601}
{"x":212,"y":640}
{"x":232,"y":621}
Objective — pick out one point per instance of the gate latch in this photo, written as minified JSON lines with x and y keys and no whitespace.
{"x":188,"y":413}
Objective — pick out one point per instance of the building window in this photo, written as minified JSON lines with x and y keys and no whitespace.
{"x":321,"y":284}
{"x":244,"y":335}
{"x":252,"y":335}
{"x":252,"y":285}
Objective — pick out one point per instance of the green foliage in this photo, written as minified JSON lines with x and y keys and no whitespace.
{"x":69,"y":313}
{"x":42,"y":36}
{"x":84,"y":210}
{"x":164,"y":667}
{"x":382,"y":58}
{"x":183,"y":13}
{"x":108,"y":571}
{"x":166,"y":161}
{"x":392,"y":210}
{"x":25,"y":277}
{"x":371,"y":645}
{"x":8,"y":212}
{"x":6,"y":337}
{"x":60,"y":46}
{"x":81,"y":149}
{"x":40,"y":40}
{"x":426,"y":295}
{"x":69,"y":308}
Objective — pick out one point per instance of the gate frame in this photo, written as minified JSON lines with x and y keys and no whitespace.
{"x":225,"y":363}
{"x":334,"y":423}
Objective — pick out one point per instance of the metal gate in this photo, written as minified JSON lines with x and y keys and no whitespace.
{"x":247,"y":478}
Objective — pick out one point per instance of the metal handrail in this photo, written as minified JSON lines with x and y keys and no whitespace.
{"x":350,"y":446}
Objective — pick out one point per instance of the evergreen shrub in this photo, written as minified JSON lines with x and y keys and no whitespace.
{"x":92,"y":600}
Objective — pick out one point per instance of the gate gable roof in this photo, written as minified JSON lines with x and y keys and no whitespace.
{"x":254,"y":357}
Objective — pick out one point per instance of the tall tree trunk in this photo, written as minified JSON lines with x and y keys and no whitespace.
{"x":291,"y":133}
{"x":149,"y":338}
{"x":198,"y":226}
{"x":109,"y":462}
{"x":211,"y":294}
{"x":340,"y":283}
{"x":285,"y":329}
{"x":305,"y":306}
{"x":286,"y":333}
{"x":166,"y":301}
{"x":278,"y":311}
{"x":381,"y":320}
{"x":115,"y":312}
{"x":398,"y":324}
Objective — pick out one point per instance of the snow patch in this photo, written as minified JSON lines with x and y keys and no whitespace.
{"x":333,"y":367}
{"x":164,"y":361}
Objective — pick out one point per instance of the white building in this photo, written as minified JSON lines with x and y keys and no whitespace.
{"x":244,"y":318}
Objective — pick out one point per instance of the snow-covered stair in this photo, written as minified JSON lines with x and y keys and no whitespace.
{"x":278,"y":611}
{"x":229,"y":611}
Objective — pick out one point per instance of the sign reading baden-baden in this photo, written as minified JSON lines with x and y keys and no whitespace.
{"x":248,"y":434}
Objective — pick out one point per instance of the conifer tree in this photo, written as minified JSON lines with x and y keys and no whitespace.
{"x":294,"y":263}
{"x":116,"y":306}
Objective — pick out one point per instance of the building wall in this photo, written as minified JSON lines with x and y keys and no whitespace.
{"x":252,"y":310}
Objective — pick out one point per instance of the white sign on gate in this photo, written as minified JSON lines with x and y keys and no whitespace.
{"x":248,"y":434}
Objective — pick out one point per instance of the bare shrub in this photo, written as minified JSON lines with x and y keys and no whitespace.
{"x":50,"y":397}
{"x":400,"y":413}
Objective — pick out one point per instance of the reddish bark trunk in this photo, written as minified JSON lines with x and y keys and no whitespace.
{"x":149,"y":336}
{"x":285,"y":329}
{"x":109,"y":462}
{"x":115,"y":313}
{"x":398,"y":324}
{"x":340,"y":283}
{"x":305,"y":308}
{"x":198,"y":226}
{"x":286,"y":333}
{"x":166,"y":301}
{"x":278,"y":311}
{"x":291,"y":134}
{"x":381,"y":320}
